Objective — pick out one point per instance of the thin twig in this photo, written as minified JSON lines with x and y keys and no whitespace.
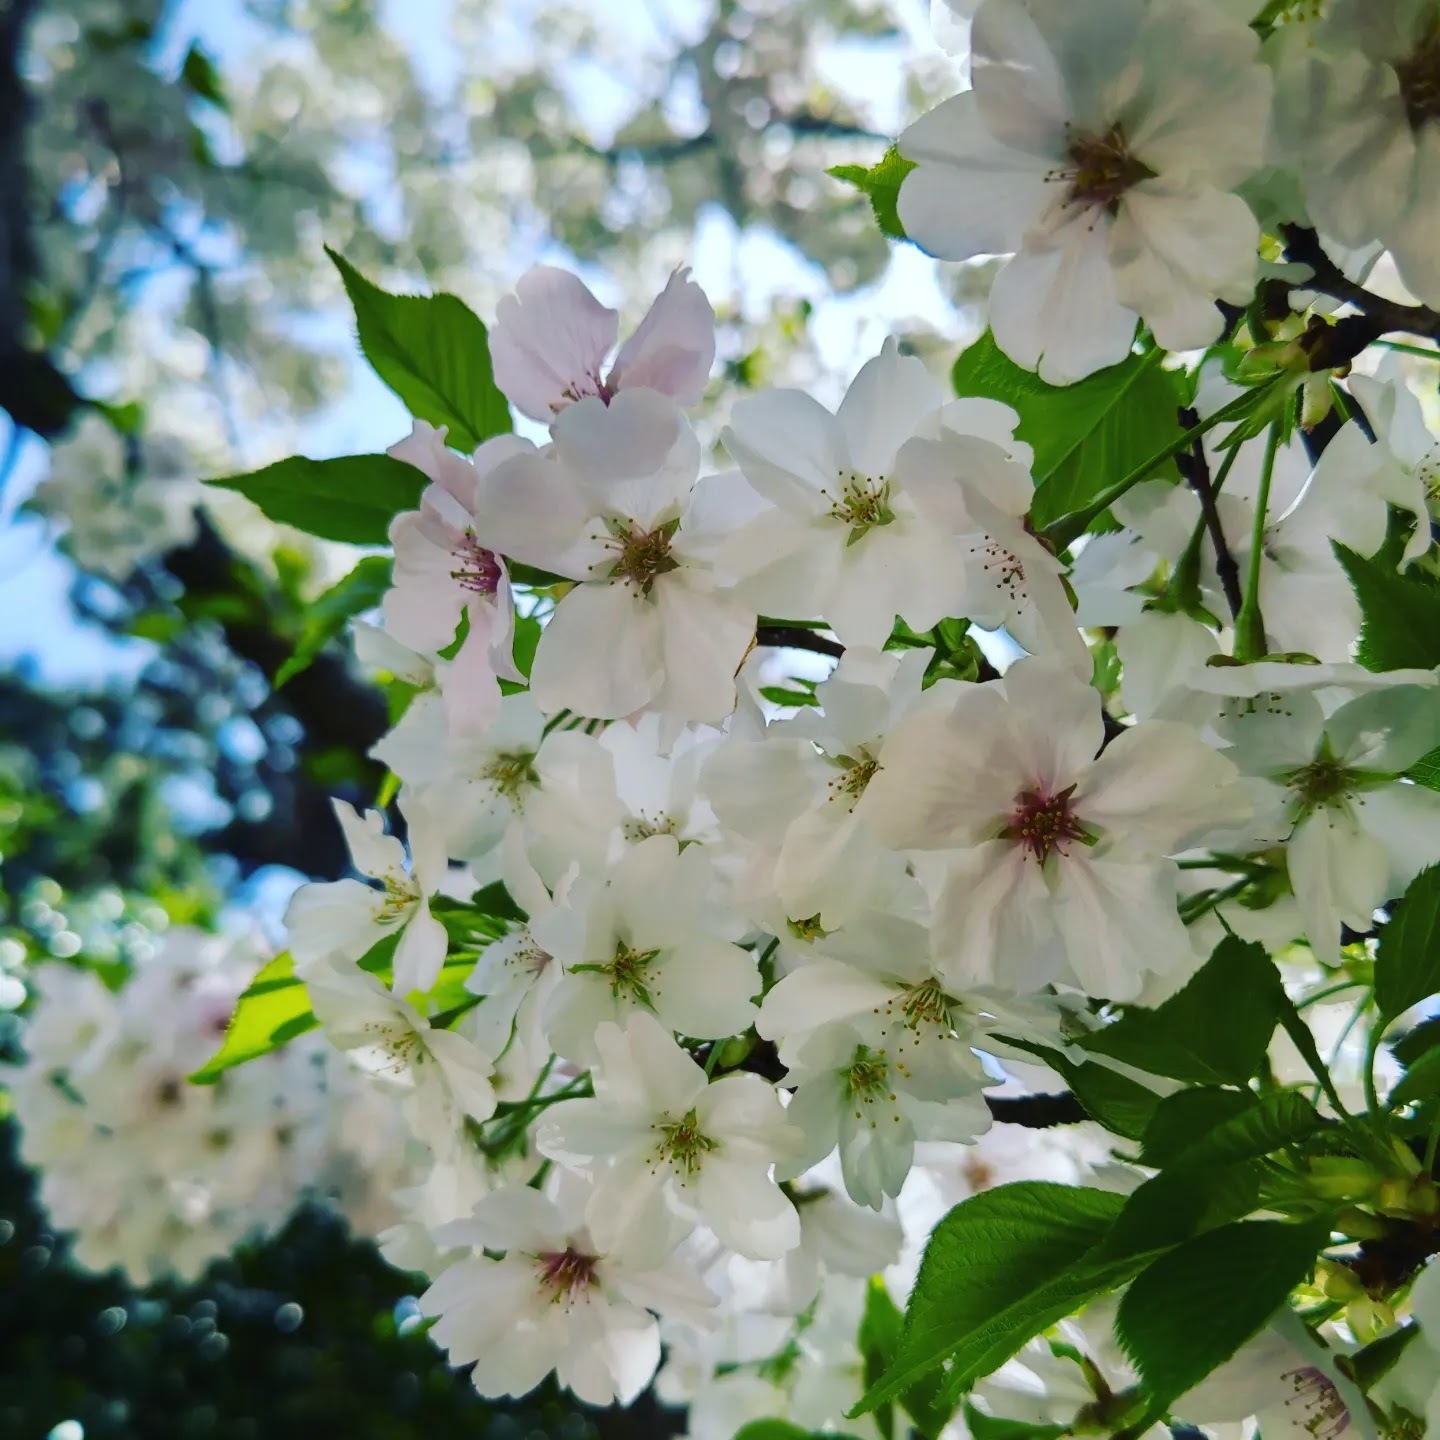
{"x":797,"y":637}
{"x":1193,"y":466}
{"x":1333,"y":346}
{"x":1036,"y":1112}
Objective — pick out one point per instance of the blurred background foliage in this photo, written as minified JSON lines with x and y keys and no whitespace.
{"x":169,"y":173}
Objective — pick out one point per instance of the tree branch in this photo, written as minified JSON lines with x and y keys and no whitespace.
{"x":1193,"y":466}
{"x":1036,"y":1112}
{"x":1334,"y":346}
{"x":797,"y":637}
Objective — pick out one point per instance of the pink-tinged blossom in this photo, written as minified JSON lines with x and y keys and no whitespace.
{"x":443,"y":571}
{"x":1058,"y":871}
{"x":550,"y":339}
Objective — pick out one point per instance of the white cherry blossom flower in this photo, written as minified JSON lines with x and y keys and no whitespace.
{"x":1059,"y":870}
{"x":639,"y":940}
{"x":554,"y":1300}
{"x":442,"y":571}
{"x":1355,"y":833}
{"x":664,"y":1147}
{"x":1357,"y":116}
{"x":550,"y":339}
{"x":515,"y":974}
{"x":347,"y":917}
{"x":891,"y":506}
{"x":613,"y":506}
{"x":442,"y":1077}
{"x":1101,"y":148}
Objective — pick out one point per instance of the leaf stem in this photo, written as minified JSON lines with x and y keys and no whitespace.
{"x":1250,"y":623}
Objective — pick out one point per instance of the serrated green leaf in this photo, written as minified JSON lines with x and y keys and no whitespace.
{"x":1192,"y":1309}
{"x":995,"y":1427}
{"x":1085,"y":436}
{"x":1426,"y":771}
{"x":1176,"y":1204}
{"x":1401,"y":616}
{"x":1407,"y":962}
{"x":881,"y":182}
{"x":361,"y":590}
{"x":999,"y":1268}
{"x":881,"y":1327}
{"x":433,"y":351}
{"x":1211,"y":1127}
{"x":352,"y":498}
{"x":1214,"y":1031}
{"x":275,"y":1008}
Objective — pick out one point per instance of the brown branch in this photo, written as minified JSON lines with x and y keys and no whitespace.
{"x":797,"y":637}
{"x":1193,"y":466}
{"x":1334,"y":346}
{"x":1036,"y":1112}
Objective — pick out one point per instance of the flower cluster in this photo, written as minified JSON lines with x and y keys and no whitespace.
{"x":698,"y":969}
{"x":157,"y":1176}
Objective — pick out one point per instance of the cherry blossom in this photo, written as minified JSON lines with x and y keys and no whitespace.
{"x":1111,"y":183}
{"x":551,"y":338}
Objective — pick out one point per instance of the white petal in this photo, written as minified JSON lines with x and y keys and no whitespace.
{"x":549,"y":340}
{"x":673,"y":348}
{"x":421,"y":951}
{"x":969,"y":194}
{"x":747,"y":1210}
{"x":600,"y":654}
{"x":883,"y":407}
{"x":1053,"y":308}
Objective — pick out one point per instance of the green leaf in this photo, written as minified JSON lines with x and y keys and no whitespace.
{"x":495,"y":899}
{"x":352,"y":498}
{"x":994,"y":1427}
{"x":361,"y":590}
{"x":1401,"y":616}
{"x":1207,"y":1127}
{"x":1426,"y":771}
{"x":1214,"y":1031}
{"x":275,"y":1008}
{"x":1122,"y":1105}
{"x":1407,"y":963}
{"x":1192,"y":1309}
{"x":1085,"y":436}
{"x":1411,"y":1047}
{"x":1419,"y":1082}
{"x":881,"y":1327}
{"x":998,"y":1269}
{"x":779,"y":695}
{"x":434,"y":353}
{"x":1181,"y":1202}
{"x":200,"y":76}
{"x":881,"y":182}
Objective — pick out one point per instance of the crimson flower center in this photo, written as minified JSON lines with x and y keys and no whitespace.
{"x":563,"y":1273}
{"x":1042,"y":823}
{"x":479,"y":569}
